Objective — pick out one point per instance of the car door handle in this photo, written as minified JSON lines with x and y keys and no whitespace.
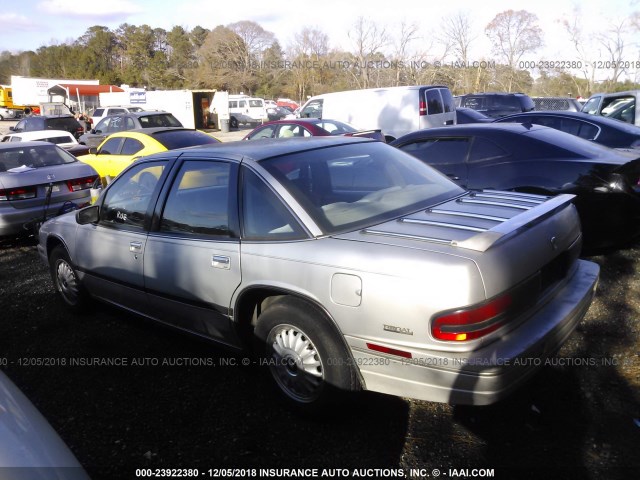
{"x":453,"y":176}
{"x":135,"y":247}
{"x":449,"y":122}
{"x":221,"y":261}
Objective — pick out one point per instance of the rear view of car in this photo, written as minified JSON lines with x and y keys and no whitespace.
{"x":348,"y":264}
{"x":37,"y":181}
{"x":496,"y":105}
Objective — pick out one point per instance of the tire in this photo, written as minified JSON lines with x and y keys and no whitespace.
{"x":66,"y":281}
{"x":309,"y":363}
{"x":233,"y":122}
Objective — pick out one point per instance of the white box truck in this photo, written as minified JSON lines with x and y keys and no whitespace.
{"x":394,"y":110}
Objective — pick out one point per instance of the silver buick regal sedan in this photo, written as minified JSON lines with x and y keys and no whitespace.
{"x":346,"y":263}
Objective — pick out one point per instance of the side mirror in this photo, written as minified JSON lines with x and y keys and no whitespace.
{"x":13,"y":129}
{"x":88,"y":215}
{"x":93,"y":150}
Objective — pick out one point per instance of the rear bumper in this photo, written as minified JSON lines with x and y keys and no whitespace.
{"x":484,"y":376}
{"x":13,"y":220}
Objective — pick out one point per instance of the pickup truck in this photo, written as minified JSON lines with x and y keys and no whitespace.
{"x":618,"y":105}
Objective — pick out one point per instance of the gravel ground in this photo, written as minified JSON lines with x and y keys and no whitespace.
{"x":578,"y":418}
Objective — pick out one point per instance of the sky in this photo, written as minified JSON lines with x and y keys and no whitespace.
{"x":30,"y":24}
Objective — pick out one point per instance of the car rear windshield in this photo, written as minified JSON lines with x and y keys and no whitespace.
{"x":183,"y":138}
{"x":347,"y":187}
{"x":159,"y":120}
{"x":62,"y":123}
{"x":334,"y":127}
{"x":45,"y":155}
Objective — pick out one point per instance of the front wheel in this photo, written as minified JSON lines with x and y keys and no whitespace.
{"x":66,"y":281}
{"x":308,"y":361}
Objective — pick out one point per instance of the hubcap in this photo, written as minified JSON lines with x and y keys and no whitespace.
{"x":295,"y":363}
{"x":67,"y":282}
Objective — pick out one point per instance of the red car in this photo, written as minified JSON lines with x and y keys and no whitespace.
{"x":309,"y":127}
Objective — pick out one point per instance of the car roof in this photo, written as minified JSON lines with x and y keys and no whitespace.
{"x":272,"y":147}
{"x":595,"y":119}
{"x":471,"y":128}
{"x":152,"y":130}
{"x":31,"y":143}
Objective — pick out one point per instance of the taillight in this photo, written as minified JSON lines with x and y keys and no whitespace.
{"x":84,"y":183}
{"x":423,"y":107}
{"x":20,"y":193}
{"x":473,"y":322}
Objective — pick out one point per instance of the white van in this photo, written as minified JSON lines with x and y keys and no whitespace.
{"x":394,"y":110}
{"x":247,"y":110}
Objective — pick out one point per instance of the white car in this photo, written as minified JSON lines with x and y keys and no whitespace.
{"x":7,"y":113}
{"x":101,"y":112}
{"x":61,"y":138}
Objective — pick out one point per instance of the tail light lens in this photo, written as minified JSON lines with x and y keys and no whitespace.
{"x":423,"y":107}
{"x":20,"y":193}
{"x":84,"y":183}
{"x":473,"y":322}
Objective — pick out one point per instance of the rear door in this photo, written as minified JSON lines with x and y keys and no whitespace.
{"x":436,"y":108}
{"x":192,"y":256}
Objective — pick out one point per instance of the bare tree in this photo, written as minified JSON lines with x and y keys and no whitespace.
{"x":513,"y":34}
{"x":253,"y":40}
{"x":408,"y":33}
{"x":308,"y":51}
{"x":584,"y":48}
{"x":368,"y":39}
{"x":458,"y":31}
{"x":613,"y":43}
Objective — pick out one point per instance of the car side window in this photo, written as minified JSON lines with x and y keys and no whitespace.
{"x":441,"y":150}
{"x":130,"y":124}
{"x":265,"y":217}
{"x":198,"y":203}
{"x":591,"y":106}
{"x":111,"y":146}
{"x":265,"y":132}
{"x":20,"y":126}
{"x":102,"y":125}
{"x":116,"y":125}
{"x":588,"y":131}
{"x":131,"y":146}
{"x":127,"y":199}
{"x":313,"y":110}
{"x":483,"y":149}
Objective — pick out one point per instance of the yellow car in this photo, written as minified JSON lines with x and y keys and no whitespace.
{"x":118,"y":150}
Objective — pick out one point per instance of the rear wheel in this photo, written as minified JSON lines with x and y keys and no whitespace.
{"x":308,"y":361}
{"x":233,"y":122}
{"x":66,"y":281}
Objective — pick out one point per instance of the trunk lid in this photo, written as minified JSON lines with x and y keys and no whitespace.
{"x":41,"y":178}
{"x":510,"y":236}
